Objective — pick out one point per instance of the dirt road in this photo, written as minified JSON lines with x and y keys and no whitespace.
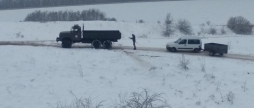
{"x":51,"y":43}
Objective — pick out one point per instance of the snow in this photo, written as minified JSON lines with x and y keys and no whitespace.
{"x":41,"y":77}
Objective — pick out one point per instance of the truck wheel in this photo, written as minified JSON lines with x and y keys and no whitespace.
{"x":96,"y":44}
{"x":211,"y":53}
{"x":221,"y":54}
{"x":173,"y":49}
{"x":196,"y":50}
{"x":107,"y":44}
{"x":66,"y":44}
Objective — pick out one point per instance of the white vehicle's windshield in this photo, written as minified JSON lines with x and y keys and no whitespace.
{"x":178,"y":40}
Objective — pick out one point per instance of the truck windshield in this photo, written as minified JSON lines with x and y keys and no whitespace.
{"x":178,"y":40}
{"x":75,"y":30}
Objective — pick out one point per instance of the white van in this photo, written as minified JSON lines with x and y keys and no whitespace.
{"x":188,"y":43}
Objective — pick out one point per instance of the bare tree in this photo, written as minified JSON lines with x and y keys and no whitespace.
{"x":212,"y":31}
{"x":144,"y":100}
{"x":231,"y":97}
{"x":168,"y":26}
{"x":202,"y":64}
{"x":240,"y":25}
{"x":140,"y":21}
{"x":79,"y":103}
{"x":184,"y":26}
{"x":184,"y":63}
{"x":223,"y":31}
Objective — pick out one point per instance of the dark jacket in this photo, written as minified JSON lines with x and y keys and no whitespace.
{"x":133,"y":38}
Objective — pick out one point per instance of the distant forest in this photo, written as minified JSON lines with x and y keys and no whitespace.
{"x":85,"y":15}
{"x":19,"y":4}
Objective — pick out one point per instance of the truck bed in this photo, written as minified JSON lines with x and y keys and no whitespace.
{"x":113,"y":35}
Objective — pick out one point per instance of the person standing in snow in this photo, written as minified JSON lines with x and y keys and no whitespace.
{"x":134,"y":40}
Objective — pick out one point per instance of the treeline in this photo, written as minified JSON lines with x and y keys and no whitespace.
{"x":85,"y":15}
{"x":18,"y":4}
{"x":238,"y":25}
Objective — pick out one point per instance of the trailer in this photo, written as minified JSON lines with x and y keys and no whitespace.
{"x":215,"y":48}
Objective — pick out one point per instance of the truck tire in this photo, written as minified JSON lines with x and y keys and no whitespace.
{"x":96,"y":44}
{"x":66,"y":44}
{"x":221,"y":54}
{"x":107,"y":44}
{"x":211,"y":53}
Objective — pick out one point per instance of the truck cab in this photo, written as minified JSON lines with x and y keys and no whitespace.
{"x":76,"y":33}
{"x":188,"y":43}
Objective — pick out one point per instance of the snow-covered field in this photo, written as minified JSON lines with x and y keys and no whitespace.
{"x":43,"y":76}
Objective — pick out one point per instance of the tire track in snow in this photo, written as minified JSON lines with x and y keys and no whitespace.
{"x":140,"y":61}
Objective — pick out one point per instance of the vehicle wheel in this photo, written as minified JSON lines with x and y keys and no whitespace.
{"x":169,"y":49}
{"x":66,"y":44}
{"x":96,"y":44}
{"x":211,"y":53}
{"x":196,"y":50}
{"x":173,"y":49}
{"x":107,"y":44}
{"x":221,"y":54}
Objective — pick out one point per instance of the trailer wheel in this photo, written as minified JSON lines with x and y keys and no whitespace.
{"x":66,"y":44}
{"x":96,"y":44}
{"x":107,"y":44}
{"x":211,"y":53}
{"x":173,"y":49}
